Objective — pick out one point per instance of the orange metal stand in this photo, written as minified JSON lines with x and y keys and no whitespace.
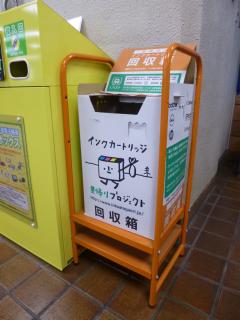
{"x":139,"y":254}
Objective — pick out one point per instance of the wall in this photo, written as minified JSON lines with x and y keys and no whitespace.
{"x":211,"y":24}
{"x":127,"y":23}
{"x":219,"y":46}
{"x":115,"y":25}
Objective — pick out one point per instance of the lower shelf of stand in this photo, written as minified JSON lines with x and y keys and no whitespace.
{"x":129,"y":238}
{"x":127,"y":256}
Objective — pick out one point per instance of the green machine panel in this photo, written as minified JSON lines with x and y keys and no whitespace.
{"x":33,"y":105}
{"x":34,"y":209}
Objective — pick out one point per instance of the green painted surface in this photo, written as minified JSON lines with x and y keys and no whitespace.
{"x":37,"y":99}
{"x":175,"y":165}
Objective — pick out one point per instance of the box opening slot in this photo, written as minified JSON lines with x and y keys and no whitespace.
{"x":18,"y":69}
{"x":117,"y":104}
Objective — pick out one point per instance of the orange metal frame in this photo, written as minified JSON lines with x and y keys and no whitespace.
{"x":135,"y":252}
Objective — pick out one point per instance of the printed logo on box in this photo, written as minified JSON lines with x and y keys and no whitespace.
{"x":15,"y":39}
{"x":113,"y":169}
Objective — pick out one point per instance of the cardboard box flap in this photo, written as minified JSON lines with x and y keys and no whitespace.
{"x":139,"y":71}
{"x":150,"y":59}
{"x":90,"y":88}
{"x":116,"y":104}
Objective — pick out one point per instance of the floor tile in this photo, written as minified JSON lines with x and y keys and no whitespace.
{"x":106,"y":315}
{"x":16,"y":270}
{"x":232,"y":276}
{"x":114,"y":265}
{"x":73,"y":271}
{"x":6,"y":252}
{"x":231,"y":193}
{"x":216,"y":190}
{"x":9,"y":310}
{"x":221,"y":228}
{"x":213,"y":244}
{"x":195,"y":291}
{"x":191,"y":235}
{"x":14,"y":245}
{"x":101,"y":281}
{"x":2,"y":292}
{"x":228,"y":306}
{"x":225,"y":214}
{"x":205,"y":265}
{"x":235,"y":254}
{"x":237,"y":233}
{"x":233,"y":185}
{"x":205,"y":209}
{"x":211,"y":198}
{"x":198,"y":221}
{"x":229,"y":203}
{"x":72,"y":306}
{"x":38,"y":291}
{"x":191,"y":215}
{"x":169,"y":280}
{"x":225,"y":172}
{"x":175,"y":311}
{"x":132,"y":302}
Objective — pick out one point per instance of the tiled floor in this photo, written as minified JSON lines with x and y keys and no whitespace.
{"x":205,"y":284}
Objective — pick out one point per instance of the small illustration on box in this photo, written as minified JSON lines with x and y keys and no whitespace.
{"x":114,"y":169}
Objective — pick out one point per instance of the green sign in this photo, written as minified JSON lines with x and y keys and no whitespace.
{"x":138,"y":83}
{"x":15,"y":39}
{"x":175,"y":165}
{"x":15,"y":181}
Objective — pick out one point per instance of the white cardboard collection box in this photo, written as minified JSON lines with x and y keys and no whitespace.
{"x":120,"y":148}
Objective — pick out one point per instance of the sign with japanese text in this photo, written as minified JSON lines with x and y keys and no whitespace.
{"x":15,"y":184}
{"x":15,"y":40}
{"x":120,"y":157}
{"x":138,"y":71}
{"x":149,"y":83}
{"x":179,"y":126}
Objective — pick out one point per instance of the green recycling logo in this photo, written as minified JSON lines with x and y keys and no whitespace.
{"x":116,"y":81}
